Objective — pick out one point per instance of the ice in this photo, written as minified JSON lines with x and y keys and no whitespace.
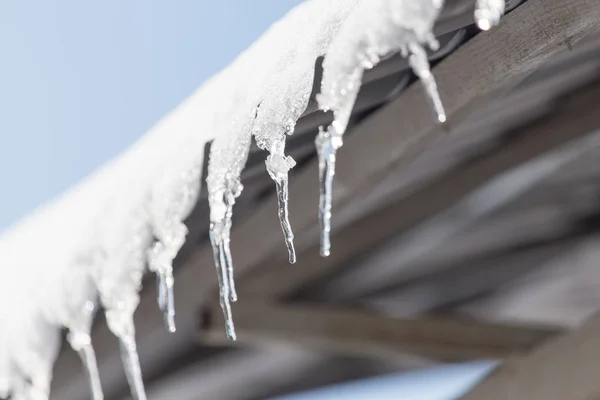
{"x":375,"y":29}
{"x":119,"y":280}
{"x":227,"y":159}
{"x":77,"y":315}
{"x":288,"y":90}
{"x":488,"y":13}
{"x":270,"y":101}
{"x":173,"y":198}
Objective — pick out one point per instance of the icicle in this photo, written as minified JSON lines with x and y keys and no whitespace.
{"x":420,"y":66}
{"x":118,"y":279}
{"x":275,"y":120}
{"x":120,"y":322}
{"x":160,"y":261}
{"x":80,"y":341}
{"x":278,"y":166}
{"x":273,"y":123}
{"x":375,"y":28}
{"x":220,"y":231}
{"x":82,"y":344}
{"x":131,"y":364}
{"x":227,"y":158}
{"x":172,"y":201}
{"x":223,"y":276}
{"x":488,"y":13}
{"x":327,"y":143}
{"x":287,"y":87}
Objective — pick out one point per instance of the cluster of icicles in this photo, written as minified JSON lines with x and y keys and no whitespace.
{"x":267,"y":89}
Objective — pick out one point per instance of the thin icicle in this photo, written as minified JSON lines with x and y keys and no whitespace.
{"x":82,"y":344}
{"x":79,"y":323}
{"x":118,"y":279}
{"x":131,"y":364}
{"x":160,"y":261}
{"x":327,"y":143}
{"x":79,"y":314}
{"x":420,"y":66}
{"x":228,"y":156}
{"x":287,"y":89}
{"x":278,"y":167}
{"x":488,"y":13}
{"x":220,"y":231}
{"x":120,"y":322}
{"x":225,"y":289}
{"x":374,"y":29}
{"x":172,"y":201}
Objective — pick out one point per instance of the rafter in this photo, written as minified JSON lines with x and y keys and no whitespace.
{"x":363,"y":333}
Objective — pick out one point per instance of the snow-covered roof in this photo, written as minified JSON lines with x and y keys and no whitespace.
{"x":96,"y":241}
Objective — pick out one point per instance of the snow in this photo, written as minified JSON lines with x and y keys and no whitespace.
{"x":91,"y":247}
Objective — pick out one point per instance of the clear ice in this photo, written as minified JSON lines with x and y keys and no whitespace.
{"x":375,"y":29}
{"x":80,"y":341}
{"x":288,"y":87}
{"x":267,"y":108}
{"x":228,"y":157}
{"x":80,"y":312}
{"x":172,"y":201}
{"x":488,"y":13}
{"x":118,"y":279}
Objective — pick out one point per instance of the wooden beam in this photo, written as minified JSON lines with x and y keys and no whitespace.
{"x":247,"y":371}
{"x":564,"y":368}
{"x":450,"y":285}
{"x":362,"y":333}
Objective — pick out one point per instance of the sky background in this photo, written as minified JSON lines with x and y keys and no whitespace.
{"x":81,"y":80}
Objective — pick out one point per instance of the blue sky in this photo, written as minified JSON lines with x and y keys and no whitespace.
{"x":81,"y":80}
{"x":442,"y":383}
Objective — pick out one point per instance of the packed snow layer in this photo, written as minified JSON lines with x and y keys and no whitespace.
{"x":92,"y":246}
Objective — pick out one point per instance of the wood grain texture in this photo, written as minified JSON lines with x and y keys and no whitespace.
{"x":364,"y":333}
{"x":566,"y":368}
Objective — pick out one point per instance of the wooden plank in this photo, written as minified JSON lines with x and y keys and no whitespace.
{"x":564,"y":368}
{"x":362,"y":333}
{"x":247,"y":373}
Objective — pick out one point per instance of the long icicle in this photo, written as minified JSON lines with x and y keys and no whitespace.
{"x":225,"y":249}
{"x":376,"y":28}
{"x":327,"y":143}
{"x":224,"y":288}
{"x":172,"y":200}
{"x":278,"y":166}
{"x":420,"y":65}
{"x":284,"y":217}
{"x":160,"y":261}
{"x":131,"y":364}
{"x":81,"y":342}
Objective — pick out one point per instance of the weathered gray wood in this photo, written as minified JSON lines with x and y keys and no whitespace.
{"x":363,"y":333}
{"x":563,"y":368}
